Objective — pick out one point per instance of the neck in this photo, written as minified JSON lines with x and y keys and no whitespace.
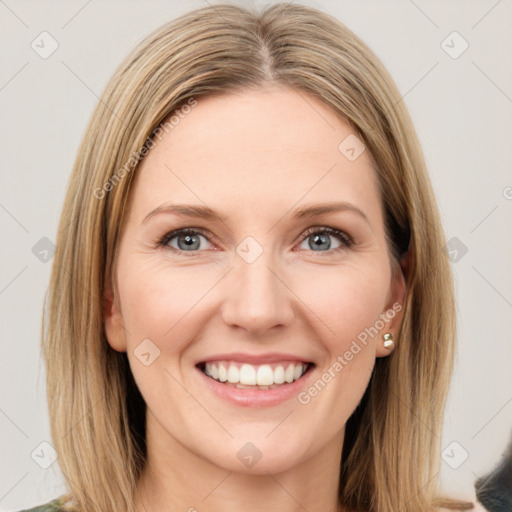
{"x":176,"y":478}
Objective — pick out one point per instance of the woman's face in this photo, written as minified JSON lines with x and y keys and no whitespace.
{"x":266,"y":282}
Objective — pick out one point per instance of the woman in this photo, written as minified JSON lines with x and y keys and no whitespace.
{"x":250,"y":307}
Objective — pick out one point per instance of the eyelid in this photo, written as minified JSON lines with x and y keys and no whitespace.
{"x":183,"y":231}
{"x":346,"y":240}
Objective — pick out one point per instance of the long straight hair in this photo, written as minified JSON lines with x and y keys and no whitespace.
{"x":391,"y":451}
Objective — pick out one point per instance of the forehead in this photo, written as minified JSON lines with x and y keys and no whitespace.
{"x":271,"y":147}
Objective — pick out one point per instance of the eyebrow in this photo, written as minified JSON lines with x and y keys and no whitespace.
{"x":188,"y":210}
{"x":316,"y":210}
{"x":204,"y":212}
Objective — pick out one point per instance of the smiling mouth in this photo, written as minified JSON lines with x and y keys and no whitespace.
{"x":255,"y":377}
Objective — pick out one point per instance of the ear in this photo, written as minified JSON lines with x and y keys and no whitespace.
{"x":393,"y":315}
{"x":113,"y":319}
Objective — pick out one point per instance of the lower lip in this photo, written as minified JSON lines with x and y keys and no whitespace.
{"x":257,"y":397}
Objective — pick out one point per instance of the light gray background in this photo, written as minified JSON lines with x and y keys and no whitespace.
{"x":461,"y":108}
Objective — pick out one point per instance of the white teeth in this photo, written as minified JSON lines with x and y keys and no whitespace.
{"x":265,"y":376}
{"x":279,"y":375}
{"x":297,"y":372}
{"x":223,"y":374}
{"x":248,"y":375}
{"x":288,"y":374}
{"x":233,"y":374}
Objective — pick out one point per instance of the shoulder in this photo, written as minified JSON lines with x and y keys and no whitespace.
{"x":52,"y":506}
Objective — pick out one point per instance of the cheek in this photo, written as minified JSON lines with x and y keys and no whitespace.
{"x":162,"y":305}
{"x":159,"y":302}
{"x":347,"y":300}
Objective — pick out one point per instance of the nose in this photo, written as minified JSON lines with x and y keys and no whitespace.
{"x":256,"y":296}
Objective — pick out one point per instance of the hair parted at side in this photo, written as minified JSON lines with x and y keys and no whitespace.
{"x":391,"y":452}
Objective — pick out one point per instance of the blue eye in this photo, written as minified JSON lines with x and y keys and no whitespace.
{"x":187,"y":239}
{"x":318,"y":239}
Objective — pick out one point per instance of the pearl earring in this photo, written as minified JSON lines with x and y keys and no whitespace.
{"x":388,"y":340}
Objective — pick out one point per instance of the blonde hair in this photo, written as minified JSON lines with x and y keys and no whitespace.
{"x":391,"y":452}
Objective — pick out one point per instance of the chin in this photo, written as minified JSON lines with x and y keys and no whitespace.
{"x":257,"y":456}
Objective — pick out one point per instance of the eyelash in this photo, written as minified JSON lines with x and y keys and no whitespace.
{"x":346,"y":240}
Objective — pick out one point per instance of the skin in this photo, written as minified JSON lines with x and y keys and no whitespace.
{"x":255,"y":157}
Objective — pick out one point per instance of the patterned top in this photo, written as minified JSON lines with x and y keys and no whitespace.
{"x":52,"y":506}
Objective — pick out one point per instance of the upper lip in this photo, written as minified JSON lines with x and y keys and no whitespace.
{"x":255,"y":358}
